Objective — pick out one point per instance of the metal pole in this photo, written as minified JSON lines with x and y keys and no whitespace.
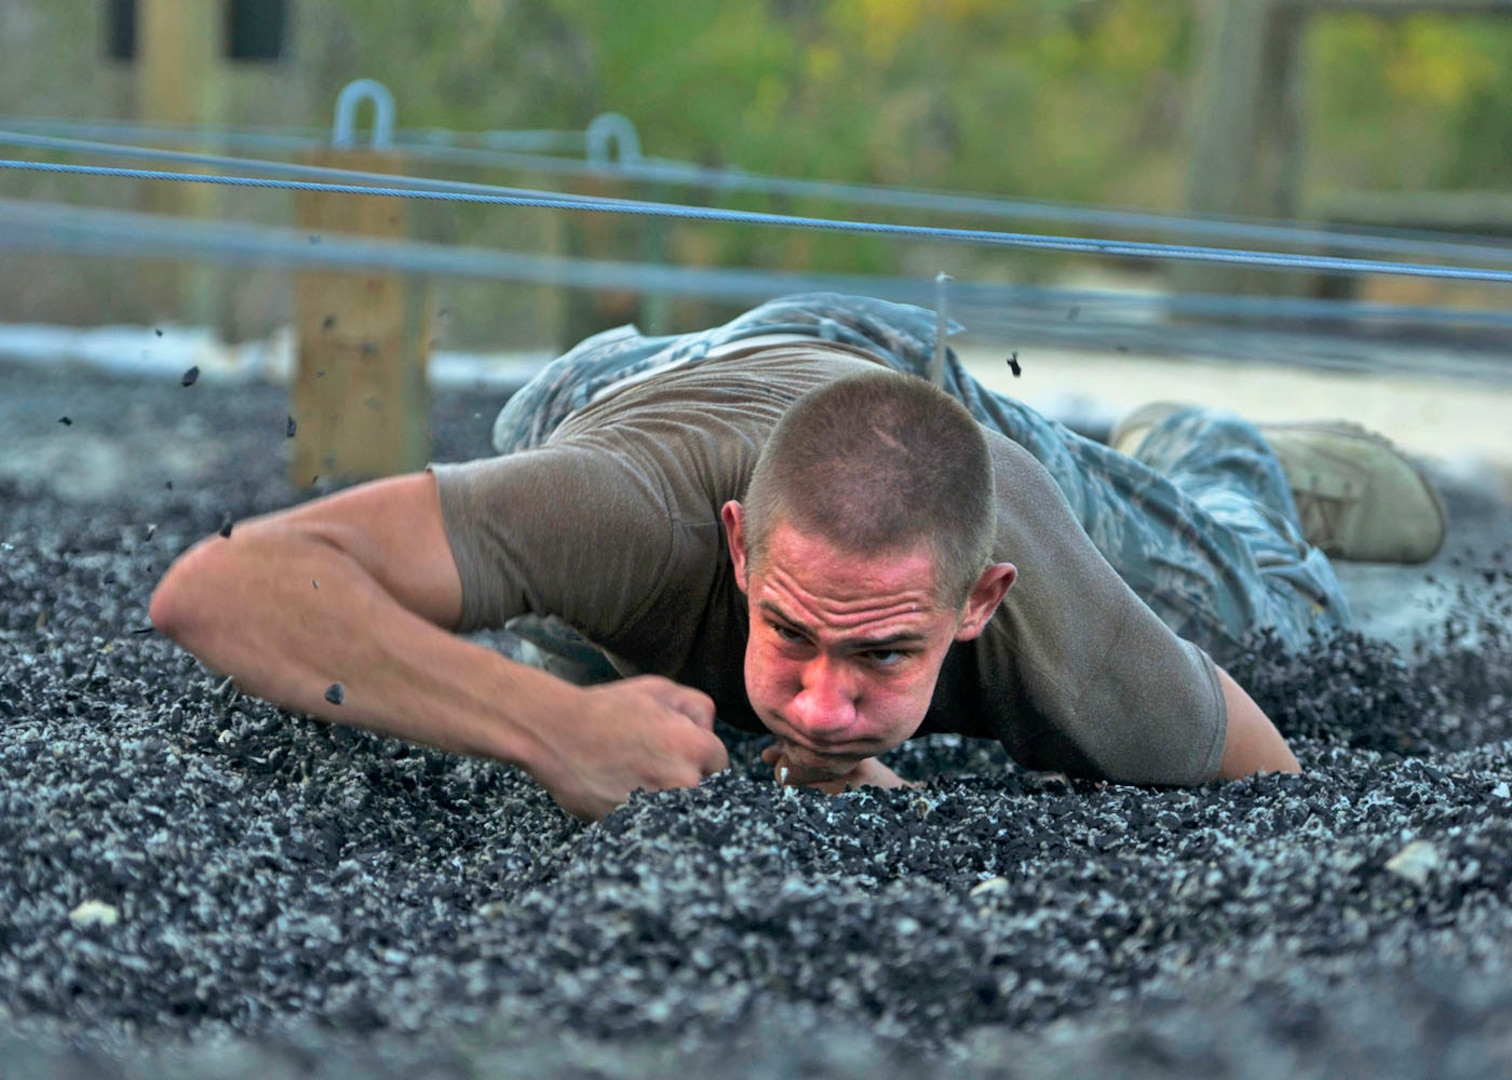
{"x":942,"y":323}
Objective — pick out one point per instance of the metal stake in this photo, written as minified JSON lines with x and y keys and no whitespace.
{"x":942,"y":321}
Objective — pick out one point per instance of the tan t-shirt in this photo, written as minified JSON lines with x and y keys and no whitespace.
{"x":614,"y":526}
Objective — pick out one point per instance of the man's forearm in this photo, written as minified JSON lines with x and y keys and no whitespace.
{"x":287,"y":615}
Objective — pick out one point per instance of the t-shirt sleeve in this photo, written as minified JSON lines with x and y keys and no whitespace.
{"x":1075,"y":672}
{"x":561,"y":530}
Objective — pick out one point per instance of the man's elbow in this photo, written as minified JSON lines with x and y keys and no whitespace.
{"x":179,"y":604}
{"x":1251,"y":743}
{"x":1273,"y":758}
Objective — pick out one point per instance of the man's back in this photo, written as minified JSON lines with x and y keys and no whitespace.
{"x":614,"y":526}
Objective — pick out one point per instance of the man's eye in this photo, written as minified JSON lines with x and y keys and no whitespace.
{"x":788,"y":634}
{"x":886,"y":657}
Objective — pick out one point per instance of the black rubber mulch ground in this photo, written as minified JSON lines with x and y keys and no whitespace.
{"x":194,"y":883}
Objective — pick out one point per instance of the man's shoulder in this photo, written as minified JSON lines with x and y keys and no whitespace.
{"x":565,"y":530}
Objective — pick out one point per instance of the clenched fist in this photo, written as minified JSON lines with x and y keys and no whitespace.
{"x":645,"y":732}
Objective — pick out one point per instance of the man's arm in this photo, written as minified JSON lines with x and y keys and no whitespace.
{"x":361,"y":589}
{"x":1252,"y":743}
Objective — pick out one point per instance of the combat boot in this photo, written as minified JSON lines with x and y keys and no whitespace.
{"x":1358,"y":497}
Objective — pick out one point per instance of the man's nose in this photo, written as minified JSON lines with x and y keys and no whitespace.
{"x":826,"y":705}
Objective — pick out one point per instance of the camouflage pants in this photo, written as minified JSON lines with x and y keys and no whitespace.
{"x":1200,"y":522}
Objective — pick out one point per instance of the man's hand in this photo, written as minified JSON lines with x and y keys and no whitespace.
{"x":646,"y":732}
{"x":866,"y":772}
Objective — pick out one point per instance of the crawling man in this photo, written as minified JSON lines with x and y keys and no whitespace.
{"x":784,"y":523}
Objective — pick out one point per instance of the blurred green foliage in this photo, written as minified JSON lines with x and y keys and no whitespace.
{"x":1074,"y":100}
{"x":1420,"y":103}
{"x":1058,"y":99}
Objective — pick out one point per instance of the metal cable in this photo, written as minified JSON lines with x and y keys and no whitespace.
{"x":1070,"y":245}
{"x":1340,"y":239}
{"x":273,"y":168}
{"x":541,"y":141}
{"x":1012,"y":315}
{"x":36,"y":226}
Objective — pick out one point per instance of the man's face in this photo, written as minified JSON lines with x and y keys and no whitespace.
{"x":845,"y":650}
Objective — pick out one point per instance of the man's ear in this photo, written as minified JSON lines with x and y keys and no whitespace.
{"x":733,"y":516}
{"x":985,"y":596}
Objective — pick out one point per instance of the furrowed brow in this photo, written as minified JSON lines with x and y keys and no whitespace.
{"x":776,"y":613}
{"x":877,"y":644}
{"x":889,"y":641}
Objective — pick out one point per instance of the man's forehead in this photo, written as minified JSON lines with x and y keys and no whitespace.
{"x":793,"y":549}
{"x":907,"y":634}
{"x":846,"y":593}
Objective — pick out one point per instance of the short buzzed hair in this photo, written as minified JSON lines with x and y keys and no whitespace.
{"x":880,"y":462}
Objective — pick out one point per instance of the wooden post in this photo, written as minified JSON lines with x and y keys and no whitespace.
{"x":359,"y":400}
{"x":180,"y":81}
{"x":1247,"y":152}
